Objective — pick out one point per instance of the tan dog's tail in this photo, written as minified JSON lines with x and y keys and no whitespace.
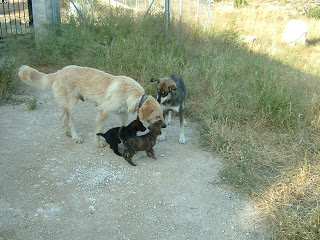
{"x":35,"y":78}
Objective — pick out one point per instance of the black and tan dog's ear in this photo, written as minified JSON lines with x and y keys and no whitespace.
{"x":172,"y":86}
{"x":155,"y":80}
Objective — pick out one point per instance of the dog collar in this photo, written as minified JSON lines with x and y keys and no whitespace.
{"x":142,"y":100}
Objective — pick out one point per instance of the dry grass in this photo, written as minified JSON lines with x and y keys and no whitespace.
{"x":280,"y":168}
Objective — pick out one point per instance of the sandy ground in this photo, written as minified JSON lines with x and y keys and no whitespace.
{"x":53,"y":188}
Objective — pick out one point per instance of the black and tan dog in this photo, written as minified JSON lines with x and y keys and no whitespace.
{"x":140,"y":143}
{"x":112,"y":135}
{"x":171,"y":94}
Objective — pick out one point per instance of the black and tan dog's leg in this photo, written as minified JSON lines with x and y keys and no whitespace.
{"x":150,"y":153}
{"x":128,"y":154}
{"x":182,"y":138}
{"x":162,"y":137}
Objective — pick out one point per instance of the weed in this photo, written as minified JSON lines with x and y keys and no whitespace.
{"x":8,"y":81}
{"x":314,"y":12}
{"x":31,"y":103}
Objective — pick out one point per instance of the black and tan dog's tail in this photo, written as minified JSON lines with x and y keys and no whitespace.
{"x":35,"y":78}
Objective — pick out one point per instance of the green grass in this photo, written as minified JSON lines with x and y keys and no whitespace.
{"x":259,"y":112}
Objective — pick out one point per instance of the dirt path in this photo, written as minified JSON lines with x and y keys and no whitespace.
{"x":52,"y":188}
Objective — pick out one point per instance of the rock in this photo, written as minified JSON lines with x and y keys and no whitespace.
{"x":295,"y":31}
{"x":248,"y":39}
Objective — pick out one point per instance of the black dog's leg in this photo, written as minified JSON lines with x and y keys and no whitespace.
{"x":115,"y":149}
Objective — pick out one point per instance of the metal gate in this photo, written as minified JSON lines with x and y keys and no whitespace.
{"x":15,"y":17}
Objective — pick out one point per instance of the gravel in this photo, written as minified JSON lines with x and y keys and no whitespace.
{"x":53,"y":188}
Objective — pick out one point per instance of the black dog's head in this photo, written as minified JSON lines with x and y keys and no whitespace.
{"x":137,"y":125}
{"x":165,"y":87}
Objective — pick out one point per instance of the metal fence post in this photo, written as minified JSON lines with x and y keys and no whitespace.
{"x":167,"y":17}
{"x":198,"y":9}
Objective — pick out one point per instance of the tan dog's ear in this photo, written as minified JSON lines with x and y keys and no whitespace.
{"x":145,"y":112}
{"x":155,"y":80}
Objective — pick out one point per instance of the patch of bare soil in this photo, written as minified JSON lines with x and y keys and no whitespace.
{"x":53,"y":188}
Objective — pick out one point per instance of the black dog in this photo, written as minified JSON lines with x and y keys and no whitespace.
{"x":112,"y":135}
{"x":140,"y":143}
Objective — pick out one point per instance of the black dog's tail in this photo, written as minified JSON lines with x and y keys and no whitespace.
{"x":99,"y":134}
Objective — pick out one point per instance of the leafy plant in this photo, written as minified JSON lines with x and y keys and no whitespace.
{"x":31,"y":103}
{"x":239,"y":3}
{"x":314,"y":12}
{"x":8,"y":81}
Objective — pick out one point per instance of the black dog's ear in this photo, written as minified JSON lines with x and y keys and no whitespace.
{"x":155,"y":80}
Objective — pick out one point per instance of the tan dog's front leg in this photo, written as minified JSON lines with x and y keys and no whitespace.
{"x":102,"y":116}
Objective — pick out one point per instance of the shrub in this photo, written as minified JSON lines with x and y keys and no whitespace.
{"x":7,"y":78}
{"x":239,"y":3}
{"x":31,"y":103}
{"x":314,"y":12}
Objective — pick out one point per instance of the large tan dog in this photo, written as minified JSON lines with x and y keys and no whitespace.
{"x":112,"y":94}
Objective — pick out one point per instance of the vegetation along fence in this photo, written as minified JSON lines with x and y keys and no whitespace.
{"x":15,"y":17}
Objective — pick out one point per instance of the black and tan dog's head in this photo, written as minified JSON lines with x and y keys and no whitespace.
{"x":165,"y":87}
{"x":156,"y":128}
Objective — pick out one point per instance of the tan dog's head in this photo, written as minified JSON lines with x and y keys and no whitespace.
{"x":151,"y":112}
{"x":165,"y":87}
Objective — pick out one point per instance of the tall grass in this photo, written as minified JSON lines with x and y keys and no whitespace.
{"x":257,"y":106}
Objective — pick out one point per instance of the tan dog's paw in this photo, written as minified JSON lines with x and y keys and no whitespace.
{"x":100,"y":143}
{"x":78,"y":140}
{"x":68,"y":133}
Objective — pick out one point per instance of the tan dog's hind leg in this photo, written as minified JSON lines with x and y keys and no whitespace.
{"x":64,"y":123}
{"x":102,"y":117}
{"x":67,"y":104}
{"x":71,"y":128}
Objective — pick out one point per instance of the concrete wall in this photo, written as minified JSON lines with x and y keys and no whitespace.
{"x":45,"y":13}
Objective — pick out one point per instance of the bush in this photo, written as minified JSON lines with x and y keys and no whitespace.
{"x":239,"y":3}
{"x":7,"y":78}
{"x":314,"y":12}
